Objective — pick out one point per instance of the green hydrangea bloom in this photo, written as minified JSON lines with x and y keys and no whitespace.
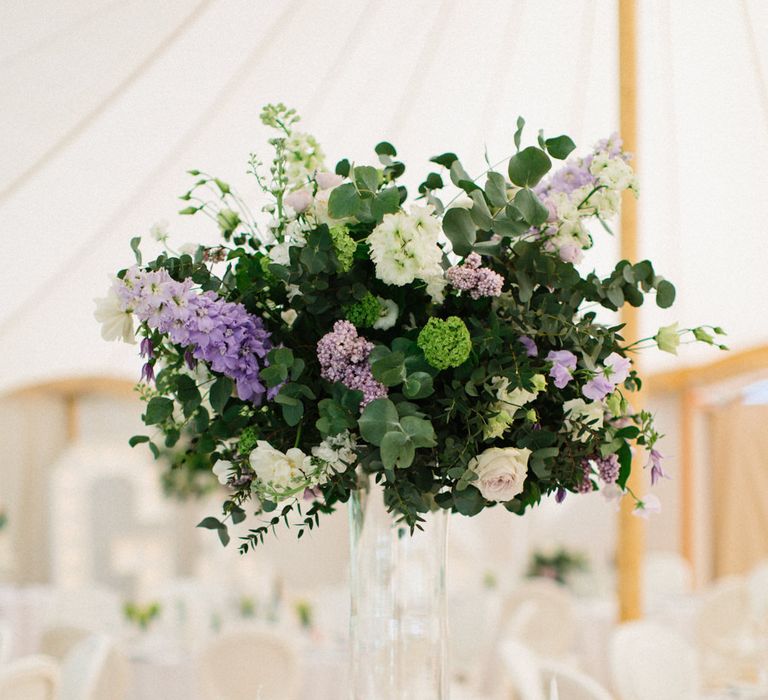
{"x":364,"y":313}
{"x":248,"y":440}
{"x":344,"y":246}
{"x":445,"y":343}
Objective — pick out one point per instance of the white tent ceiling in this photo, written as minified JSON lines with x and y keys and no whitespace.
{"x":105,"y":105}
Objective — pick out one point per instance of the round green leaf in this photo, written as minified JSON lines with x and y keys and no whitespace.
{"x":397,"y":450}
{"x":378,"y":418}
{"x":560,"y":147}
{"x":158,"y":409}
{"x":418,"y":385}
{"x":344,"y":201}
{"x":665,"y":294}
{"x":529,"y":166}
{"x":460,"y":230}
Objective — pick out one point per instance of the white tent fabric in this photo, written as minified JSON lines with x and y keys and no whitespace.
{"x":105,"y":105}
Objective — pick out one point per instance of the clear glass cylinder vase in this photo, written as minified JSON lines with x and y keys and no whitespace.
{"x":398,"y":629}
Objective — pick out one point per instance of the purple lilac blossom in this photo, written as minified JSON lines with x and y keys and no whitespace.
{"x":222,"y":333}
{"x":585,"y":485}
{"x":563,"y":364}
{"x":530,"y":346}
{"x":608,"y":468}
{"x":477,"y":281}
{"x":343,"y":356}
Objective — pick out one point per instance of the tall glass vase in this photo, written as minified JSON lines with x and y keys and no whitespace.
{"x":398,"y":616}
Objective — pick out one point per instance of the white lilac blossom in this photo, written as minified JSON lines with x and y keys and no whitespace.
{"x":404,"y":248}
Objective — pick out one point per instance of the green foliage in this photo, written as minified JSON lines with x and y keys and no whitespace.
{"x":527,"y":167}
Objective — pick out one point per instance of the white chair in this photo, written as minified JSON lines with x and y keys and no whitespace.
{"x":30,"y":678}
{"x":521,"y":678}
{"x":59,"y":641}
{"x":541,"y":615}
{"x":569,"y":683}
{"x":248,"y":663}
{"x":725,"y":632}
{"x":6,"y":643}
{"x":649,"y":662}
{"x":666,"y":577}
{"x":95,"y":670}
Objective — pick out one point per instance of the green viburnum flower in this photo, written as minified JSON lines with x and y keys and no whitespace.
{"x":344,"y":246}
{"x":364,"y":313}
{"x":248,"y":441}
{"x":668,"y":338}
{"x":445,"y":343}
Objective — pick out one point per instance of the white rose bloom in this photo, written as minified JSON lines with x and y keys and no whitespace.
{"x":387,"y":315}
{"x":501,"y":472}
{"x":221,"y":469}
{"x":578,"y":411}
{"x":116,"y":324}
{"x":276,"y":469}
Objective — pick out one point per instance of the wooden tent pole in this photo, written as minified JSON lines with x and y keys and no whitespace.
{"x":631,"y":540}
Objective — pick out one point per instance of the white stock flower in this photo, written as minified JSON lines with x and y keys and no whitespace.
{"x":116,"y":323}
{"x":279,"y":470}
{"x":579,"y":413}
{"x":501,"y":472}
{"x":612,"y":171}
{"x":387,"y":315}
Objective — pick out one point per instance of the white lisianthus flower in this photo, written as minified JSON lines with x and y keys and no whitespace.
{"x":405,"y":247}
{"x":221,"y":469}
{"x":579,"y":412}
{"x":387,"y":315}
{"x":501,"y":472}
{"x":280,"y":471}
{"x":116,"y":322}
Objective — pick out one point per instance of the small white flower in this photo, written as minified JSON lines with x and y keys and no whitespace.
{"x":159,"y":231}
{"x":221,"y":469}
{"x":277,"y":469}
{"x":188,"y":248}
{"x":116,"y":322}
{"x":387,"y":315}
{"x":289,"y":316}
{"x":650,"y":504}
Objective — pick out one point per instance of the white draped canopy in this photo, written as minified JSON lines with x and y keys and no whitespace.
{"x":105,"y":104}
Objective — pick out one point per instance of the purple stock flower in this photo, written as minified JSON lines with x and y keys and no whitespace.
{"x":221,"y":333}
{"x":597,"y":388}
{"x":343,"y":356}
{"x":563,"y":364}
{"x":530,"y":346}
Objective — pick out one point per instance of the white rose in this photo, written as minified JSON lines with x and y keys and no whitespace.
{"x":279,"y":470}
{"x":579,"y":412}
{"x":501,"y":472}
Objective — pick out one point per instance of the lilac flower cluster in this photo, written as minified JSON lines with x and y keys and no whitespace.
{"x":221,"y":333}
{"x":343,"y":356}
{"x":478,"y":281}
{"x":585,"y":485}
{"x":608,"y":468}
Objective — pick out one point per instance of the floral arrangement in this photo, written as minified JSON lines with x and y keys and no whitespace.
{"x":557,"y":565}
{"x":450,"y":346}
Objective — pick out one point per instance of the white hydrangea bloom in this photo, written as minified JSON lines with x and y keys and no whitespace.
{"x":405,"y":247}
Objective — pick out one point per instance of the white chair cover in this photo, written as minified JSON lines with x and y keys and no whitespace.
{"x":58,"y":642}
{"x":649,"y":662}
{"x":94,"y":670}
{"x":569,"y":683}
{"x":30,"y":678}
{"x":248,"y":663}
{"x":666,"y":576}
